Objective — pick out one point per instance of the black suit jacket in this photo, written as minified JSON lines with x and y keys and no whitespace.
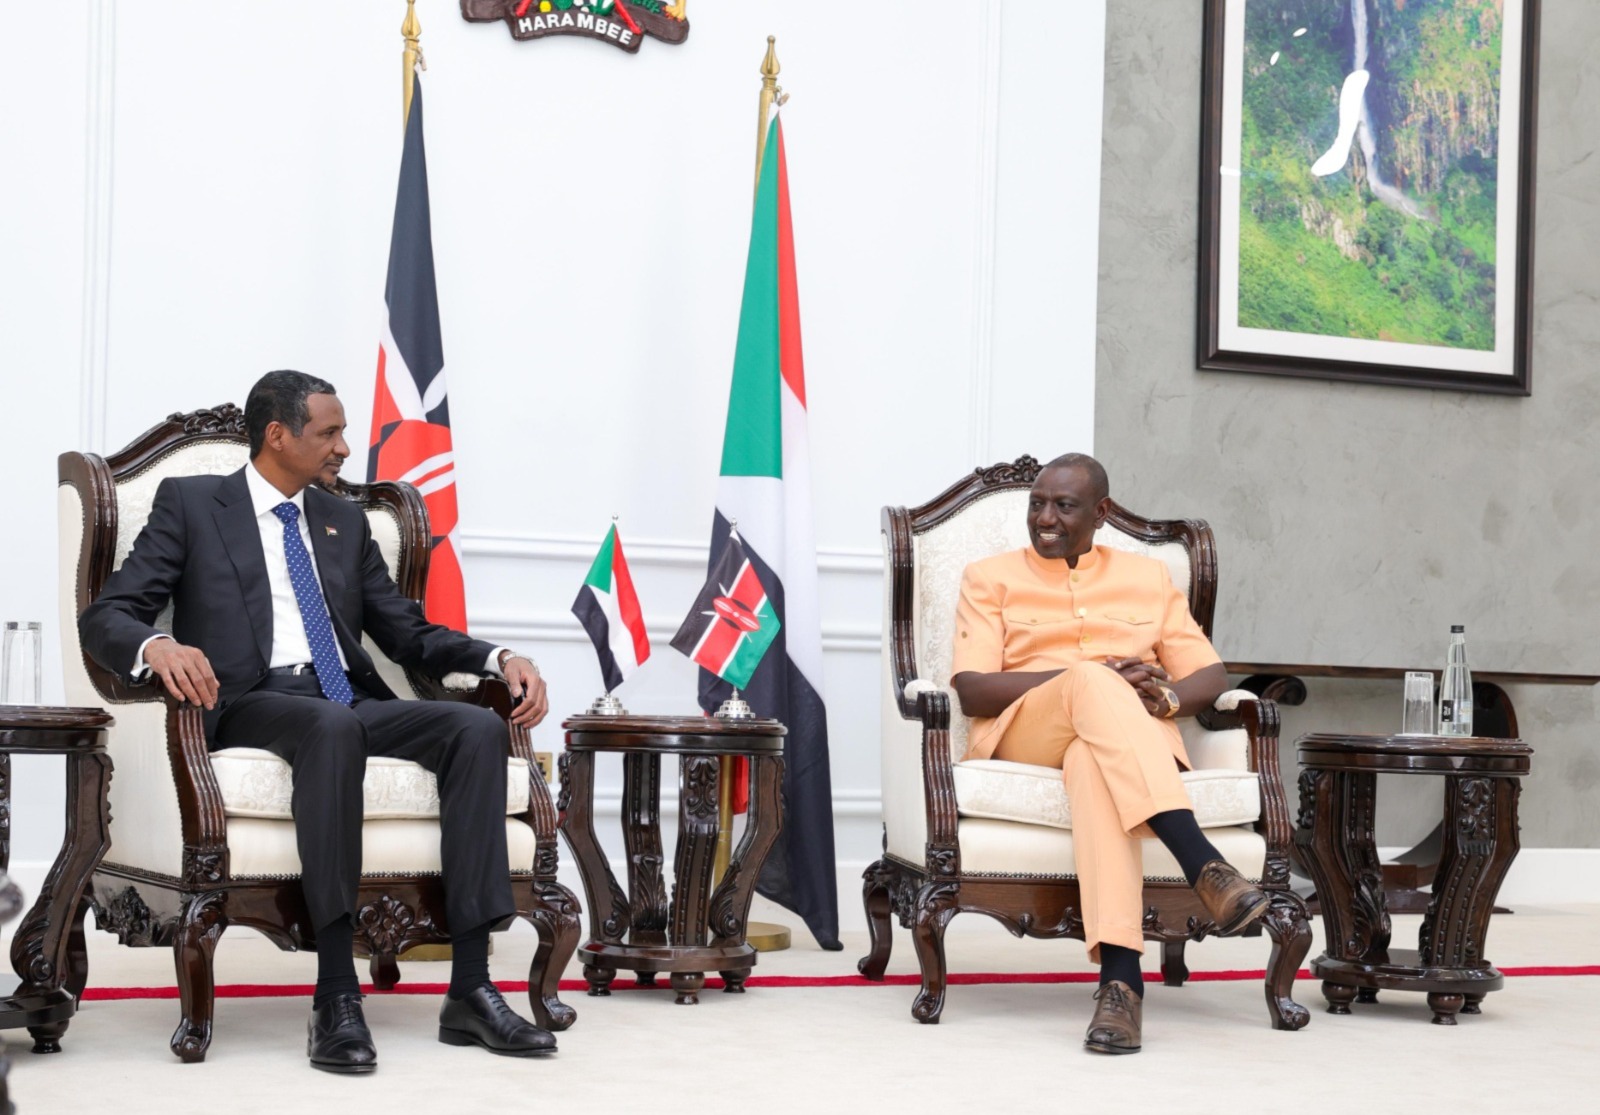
{"x":201,"y":549}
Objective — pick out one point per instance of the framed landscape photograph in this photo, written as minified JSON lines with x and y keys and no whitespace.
{"x":1366,"y":190}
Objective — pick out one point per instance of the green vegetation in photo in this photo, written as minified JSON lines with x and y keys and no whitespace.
{"x":1326,"y":255}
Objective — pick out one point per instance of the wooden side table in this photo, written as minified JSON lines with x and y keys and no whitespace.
{"x":1334,"y":833}
{"x":48,"y":952}
{"x":640,"y":929}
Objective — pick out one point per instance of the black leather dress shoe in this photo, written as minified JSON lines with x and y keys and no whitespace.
{"x":337,"y":1038}
{"x":484,"y":1018}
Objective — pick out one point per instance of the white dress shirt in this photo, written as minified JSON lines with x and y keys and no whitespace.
{"x":290,"y":647}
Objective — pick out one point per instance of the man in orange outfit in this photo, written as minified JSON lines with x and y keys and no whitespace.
{"x":1081,"y":657}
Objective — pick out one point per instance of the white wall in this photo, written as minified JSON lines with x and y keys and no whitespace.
{"x":591,"y":216}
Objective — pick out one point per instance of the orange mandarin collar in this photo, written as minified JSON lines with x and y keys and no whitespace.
{"x":1057,"y":568}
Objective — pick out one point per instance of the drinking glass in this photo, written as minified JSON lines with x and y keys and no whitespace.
{"x":19,"y":663}
{"x":1417,"y":718}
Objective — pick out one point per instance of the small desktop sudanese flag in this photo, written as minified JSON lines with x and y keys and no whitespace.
{"x":608,"y":608}
{"x":732,"y":622}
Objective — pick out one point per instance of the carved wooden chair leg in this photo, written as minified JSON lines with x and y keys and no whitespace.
{"x":204,"y":918}
{"x":384,"y":967}
{"x":555,"y":916}
{"x":1173,"y":970}
{"x":1289,"y":925}
{"x":935,"y":906}
{"x":875,"y":897}
{"x":47,"y":1037}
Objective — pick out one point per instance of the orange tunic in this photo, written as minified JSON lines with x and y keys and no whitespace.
{"x":1020,"y":611}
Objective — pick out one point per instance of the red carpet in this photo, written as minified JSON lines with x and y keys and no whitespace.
{"x":956,"y":979}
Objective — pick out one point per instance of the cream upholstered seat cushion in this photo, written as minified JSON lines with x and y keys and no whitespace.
{"x":990,"y":847}
{"x":260,"y":848}
{"x":1035,"y":795}
{"x":256,"y":783}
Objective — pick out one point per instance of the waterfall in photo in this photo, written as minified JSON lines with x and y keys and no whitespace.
{"x":1355,"y":119}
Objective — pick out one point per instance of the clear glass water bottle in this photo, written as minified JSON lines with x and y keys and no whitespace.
{"x":1455,"y":691}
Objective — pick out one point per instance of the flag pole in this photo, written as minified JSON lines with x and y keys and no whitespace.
{"x":411,"y":60}
{"x":765,"y":936}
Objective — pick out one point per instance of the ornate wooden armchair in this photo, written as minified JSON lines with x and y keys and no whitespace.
{"x":202,"y":841}
{"x":995,"y":837}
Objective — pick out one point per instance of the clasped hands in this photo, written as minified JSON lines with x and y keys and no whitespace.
{"x":1149,"y":680}
{"x":187,"y":675}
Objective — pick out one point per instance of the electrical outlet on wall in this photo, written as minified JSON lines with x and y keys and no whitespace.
{"x":547,"y":765}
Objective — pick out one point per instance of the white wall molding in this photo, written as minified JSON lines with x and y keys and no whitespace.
{"x":564,"y":628}
{"x":986,"y":214}
{"x":99,"y":151}
{"x":644,"y":551}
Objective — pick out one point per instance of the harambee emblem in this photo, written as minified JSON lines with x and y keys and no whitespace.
{"x":622,"y":23}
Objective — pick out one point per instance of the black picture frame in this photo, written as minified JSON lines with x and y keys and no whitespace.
{"x":1225,"y":345}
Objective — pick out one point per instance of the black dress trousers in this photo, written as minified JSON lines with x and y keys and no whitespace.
{"x":326,"y":746}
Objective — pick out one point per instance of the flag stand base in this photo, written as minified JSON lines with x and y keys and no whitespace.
{"x":764,"y":936}
{"x":607,"y":705}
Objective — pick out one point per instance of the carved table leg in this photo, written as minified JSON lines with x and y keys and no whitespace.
{"x":699,"y":783}
{"x":599,"y":979}
{"x":688,"y":984}
{"x":1444,"y":1007}
{"x":77,"y":974}
{"x":555,"y":916}
{"x":935,"y":906}
{"x":1366,"y":994}
{"x":1339,"y":996}
{"x":730,"y":904}
{"x":645,"y":979}
{"x":641,"y":838}
{"x":1481,"y":840}
{"x":204,"y":919}
{"x":875,"y":897}
{"x":1173,"y":970}
{"x":48,"y":951}
{"x":1289,"y":926}
{"x":608,"y":906}
{"x":733,"y":980}
{"x":1471,"y":1006}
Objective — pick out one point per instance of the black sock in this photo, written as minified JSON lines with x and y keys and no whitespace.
{"x":1177,"y":830}
{"x":469,"y":967}
{"x":336,"y":965}
{"x":1117,"y":962}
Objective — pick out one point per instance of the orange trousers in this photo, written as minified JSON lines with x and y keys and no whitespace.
{"x":1119,"y":769}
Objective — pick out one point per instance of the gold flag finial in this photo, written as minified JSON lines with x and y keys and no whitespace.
{"x":411,"y":61}
{"x":771,"y":94}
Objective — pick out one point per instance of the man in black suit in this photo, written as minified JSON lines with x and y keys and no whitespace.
{"x":272,"y":581}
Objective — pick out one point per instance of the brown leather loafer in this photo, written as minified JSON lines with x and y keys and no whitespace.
{"x":1117,"y":1017}
{"x":1232,"y":900}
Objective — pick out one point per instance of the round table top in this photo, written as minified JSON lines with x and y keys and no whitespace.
{"x":589,"y":732}
{"x":1414,"y":754}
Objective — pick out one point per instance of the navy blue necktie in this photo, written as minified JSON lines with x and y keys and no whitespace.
{"x":313,"y":610}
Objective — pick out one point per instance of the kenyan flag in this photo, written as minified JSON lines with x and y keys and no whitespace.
{"x":732,"y":622}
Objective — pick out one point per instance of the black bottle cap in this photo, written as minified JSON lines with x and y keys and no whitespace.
{"x":1457,"y":629}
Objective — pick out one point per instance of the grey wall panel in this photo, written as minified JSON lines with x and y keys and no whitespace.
{"x":1356,"y":522}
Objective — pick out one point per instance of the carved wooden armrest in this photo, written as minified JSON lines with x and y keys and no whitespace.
{"x":205,"y":827}
{"x":938,"y":781}
{"x":1260,"y":720}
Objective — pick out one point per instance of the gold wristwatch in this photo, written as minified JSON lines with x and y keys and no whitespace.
{"x":1170,"y":695}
